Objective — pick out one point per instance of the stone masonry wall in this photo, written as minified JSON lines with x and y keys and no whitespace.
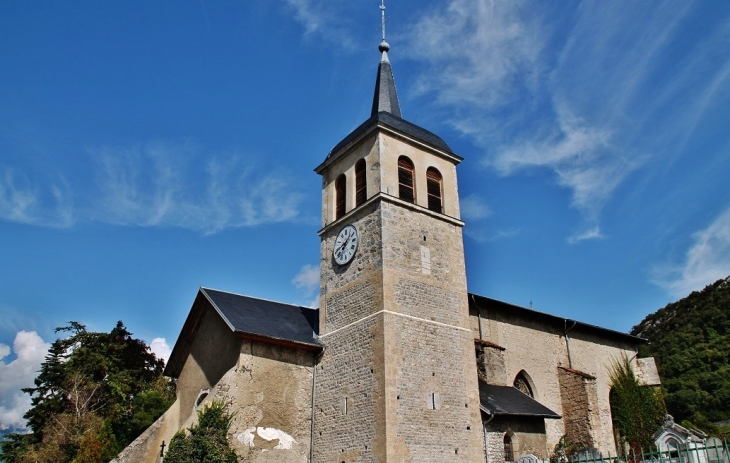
{"x":436,"y":421}
{"x":353,"y":291}
{"x":537,"y":350}
{"x":349,"y":423}
{"x":527,"y":434}
{"x":429,"y":346}
{"x":490,"y":363}
{"x":269,"y":394}
{"x":578,"y":394}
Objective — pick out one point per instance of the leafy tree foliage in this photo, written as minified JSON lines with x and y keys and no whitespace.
{"x":206,"y":442}
{"x":689,"y":340}
{"x":637,"y":411}
{"x":94,"y":394}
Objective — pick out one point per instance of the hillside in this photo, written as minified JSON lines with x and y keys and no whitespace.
{"x":690,"y":340}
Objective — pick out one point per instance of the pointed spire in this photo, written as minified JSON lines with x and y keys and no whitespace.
{"x":385,"y":98}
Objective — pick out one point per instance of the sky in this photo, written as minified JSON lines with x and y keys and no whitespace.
{"x":151,"y":148}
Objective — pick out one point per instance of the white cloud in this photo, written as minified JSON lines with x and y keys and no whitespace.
{"x":307,"y":279}
{"x":159,"y":347}
{"x":590,"y":97}
{"x":30,"y":351}
{"x":592,"y":233}
{"x":331,"y":21}
{"x":706,"y":261}
{"x":474,"y":208}
{"x":478,"y":52}
{"x":158,"y":185}
{"x":23,"y":201}
{"x":482,"y":235}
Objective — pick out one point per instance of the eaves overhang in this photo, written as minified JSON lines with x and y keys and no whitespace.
{"x":397,"y":127}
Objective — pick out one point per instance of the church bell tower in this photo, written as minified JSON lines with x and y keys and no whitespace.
{"x":397,"y":381}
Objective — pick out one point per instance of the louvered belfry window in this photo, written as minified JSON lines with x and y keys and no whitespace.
{"x":406,"y":192}
{"x":340,"y":191}
{"x":433,"y":185}
{"x":361,"y":189}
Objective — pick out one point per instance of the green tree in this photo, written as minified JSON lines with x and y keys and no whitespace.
{"x":206,"y":442}
{"x":689,"y":340}
{"x":94,"y":394}
{"x":638,"y":411}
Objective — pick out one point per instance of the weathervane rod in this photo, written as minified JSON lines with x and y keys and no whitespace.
{"x":382,"y":17}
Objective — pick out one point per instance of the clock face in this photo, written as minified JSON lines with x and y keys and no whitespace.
{"x":345,"y":245}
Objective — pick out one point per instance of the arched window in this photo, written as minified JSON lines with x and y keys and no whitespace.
{"x":508,"y":448}
{"x":433,"y":185}
{"x":522,"y":384}
{"x":361,"y":188}
{"x":672,"y":443}
{"x":340,"y":189}
{"x":673,"y":447}
{"x":406,"y":191}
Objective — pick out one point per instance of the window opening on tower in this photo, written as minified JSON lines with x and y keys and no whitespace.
{"x":406,"y":192}
{"x":340,"y":191}
{"x":361,"y":193}
{"x":433,"y":187}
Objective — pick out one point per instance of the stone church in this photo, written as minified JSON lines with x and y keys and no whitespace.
{"x":400,"y":363}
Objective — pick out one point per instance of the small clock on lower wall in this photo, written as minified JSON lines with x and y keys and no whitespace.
{"x":345,"y":245}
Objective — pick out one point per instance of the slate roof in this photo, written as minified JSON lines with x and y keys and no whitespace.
{"x":508,"y":401}
{"x":488,"y":304}
{"x":385,"y":98}
{"x":248,"y":318}
{"x":250,"y":315}
{"x":399,"y":125}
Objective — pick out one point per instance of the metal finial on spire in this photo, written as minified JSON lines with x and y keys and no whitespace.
{"x":384,"y":46}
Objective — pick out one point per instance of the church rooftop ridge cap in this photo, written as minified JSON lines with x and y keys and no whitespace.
{"x":257,"y":298}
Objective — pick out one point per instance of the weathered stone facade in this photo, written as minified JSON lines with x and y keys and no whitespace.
{"x":542,"y":348}
{"x":391,"y":316}
{"x":268,"y":389}
{"x":579,"y":400}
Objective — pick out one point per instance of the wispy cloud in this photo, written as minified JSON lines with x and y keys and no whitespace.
{"x":592,"y":97}
{"x":30,"y":351}
{"x":474,"y":207}
{"x":483,"y":235}
{"x":23,"y":201}
{"x":307,"y":281}
{"x":706,"y":261}
{"x":331,"y":21}
{"x":477,"y":48}
{"x":593,"y":233}
{"x":158,"y":185}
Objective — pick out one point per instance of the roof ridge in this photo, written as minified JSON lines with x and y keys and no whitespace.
{"x":258,"y":298}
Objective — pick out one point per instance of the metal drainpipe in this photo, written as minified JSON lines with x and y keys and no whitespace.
{"x":486,"y":442}
{"x":479,"y":316}
{"x":567,"y":339}
{"x":314,"y":382}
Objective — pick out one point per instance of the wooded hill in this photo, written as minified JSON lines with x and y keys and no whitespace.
{"x":690,"y":340}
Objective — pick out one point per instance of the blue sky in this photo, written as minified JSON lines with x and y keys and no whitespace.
{"x":149,"y":148}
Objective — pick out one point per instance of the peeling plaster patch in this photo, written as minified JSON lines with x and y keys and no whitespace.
{"x":285,"y":440}
{"x":246,"y":437}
